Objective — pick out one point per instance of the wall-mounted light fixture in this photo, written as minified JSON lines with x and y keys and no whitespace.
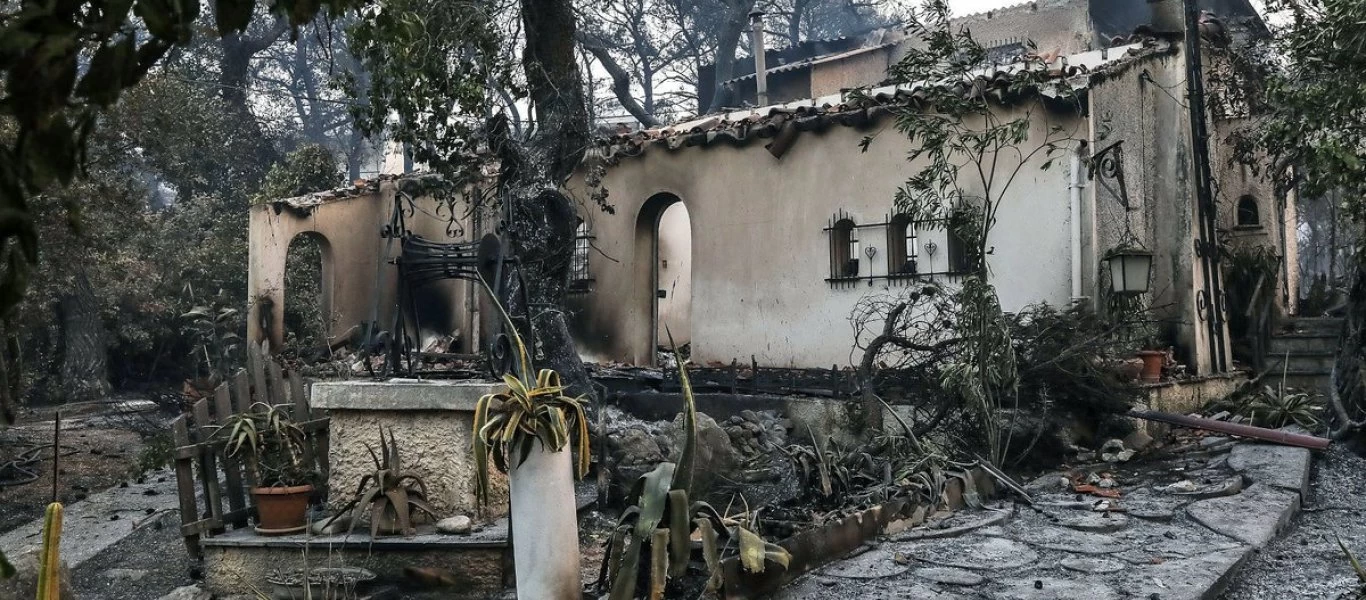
{"x":1130,"y":270}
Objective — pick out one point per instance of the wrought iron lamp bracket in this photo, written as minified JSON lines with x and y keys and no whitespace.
{"x":1108,"y":163}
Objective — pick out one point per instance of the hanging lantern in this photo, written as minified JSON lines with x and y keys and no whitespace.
{"x":1130,"y":270}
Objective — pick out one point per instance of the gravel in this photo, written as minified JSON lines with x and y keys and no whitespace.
{"x":1305,"y":561}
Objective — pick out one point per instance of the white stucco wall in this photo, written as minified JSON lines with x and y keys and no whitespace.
{"x":675,"y":275}
{"x":761,"y":255}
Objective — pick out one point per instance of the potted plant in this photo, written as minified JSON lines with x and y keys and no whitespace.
{"x":1153,"y":358}
{"x":527,"y":431}
{"x":271,"y":444}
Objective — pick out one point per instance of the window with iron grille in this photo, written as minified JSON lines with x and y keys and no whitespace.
{"x":902,"y":249}
{"x":844,"y":249}
{"x":960,"y":258}
{"x":1248,"y":212}
{"x":580,"y":278}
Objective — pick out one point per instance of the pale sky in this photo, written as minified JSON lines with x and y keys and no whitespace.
{"x":967,"y":7}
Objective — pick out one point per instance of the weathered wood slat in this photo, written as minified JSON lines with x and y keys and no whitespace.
{"x":279,"y":390}
{"x":208,"y":460}
{"x":232,"y":467}
{"x":241,"y":391}
{"x":241,"y":399}
{"x":202,"y":527}
{"x":299,"y":406}
{"x":185,"y":483}
{"x":256,"y":363}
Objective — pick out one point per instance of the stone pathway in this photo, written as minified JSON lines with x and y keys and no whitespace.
{"x":1305,"y":563}
{"x":101,"y":520}
{"x":1171,"y":542}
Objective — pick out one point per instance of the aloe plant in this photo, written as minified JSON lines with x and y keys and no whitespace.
{"x":507,"y":424}
{"x":272,"y":443}
{"x":388,"y":494}
{"x":50,"y":561}
{"x":661,"y":521}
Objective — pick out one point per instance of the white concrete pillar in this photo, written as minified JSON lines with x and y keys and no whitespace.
{"x":545,"y":526}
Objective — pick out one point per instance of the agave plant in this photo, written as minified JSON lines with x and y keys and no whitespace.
{"x":390,"y":495}
{"x":511,"y":421}
{"x":644,"y":533}
{"x":1281,"y":407}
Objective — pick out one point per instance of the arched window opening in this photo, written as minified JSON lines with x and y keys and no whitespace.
{"x":844,"y":250}
{"x":1248,"y":213}
{"x":902,"y":248}
{"x":308,"y":298}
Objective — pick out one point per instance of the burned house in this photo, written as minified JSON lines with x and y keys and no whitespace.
{"x":752,"y":233}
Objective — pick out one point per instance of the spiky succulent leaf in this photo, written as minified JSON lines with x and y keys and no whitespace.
{"x":711,"y":552}
{"x":755,"y":553}
{"x":680,"y":543}
{"x":659,"y":563}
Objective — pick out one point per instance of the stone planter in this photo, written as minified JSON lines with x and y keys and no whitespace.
{"x":434,"y":424}
{"x":545,"y":526}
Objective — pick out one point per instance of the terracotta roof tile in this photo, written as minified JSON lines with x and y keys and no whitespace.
{"x":744,"y":127}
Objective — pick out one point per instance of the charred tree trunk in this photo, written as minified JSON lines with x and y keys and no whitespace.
{"x":727,"y":41}
{"x":1347,"y":398}
{"x":235,"y":64}
{"x":11,"y":373}
{"x":543,"y":219}
{"x":85,"y":359}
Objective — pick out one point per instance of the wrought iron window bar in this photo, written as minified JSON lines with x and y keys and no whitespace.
{"x":580,"y":278}
{"x":902,"y":276}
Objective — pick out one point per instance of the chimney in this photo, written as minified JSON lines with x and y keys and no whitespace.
{"x":1169,"y":16}
{"x":756,"y":45}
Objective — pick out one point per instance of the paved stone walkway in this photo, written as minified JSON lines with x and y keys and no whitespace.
{"x":100,"y":521}
{"x":1305,"y":562}
{"x":1171,"y":542}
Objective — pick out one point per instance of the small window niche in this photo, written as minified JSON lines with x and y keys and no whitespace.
{"x":1249,"y":215}
{"x":844,"y":249}
{"x":580,"y":278}
{"x":902,"y":248}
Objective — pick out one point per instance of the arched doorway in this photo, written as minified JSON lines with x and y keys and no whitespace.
{"x":308,"y":314}
{"x":664,"y":241}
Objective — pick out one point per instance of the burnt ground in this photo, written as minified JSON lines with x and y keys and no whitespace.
{"x":144,"y":566}
{"x":98,"y":452}
{"x":1305,"y":561}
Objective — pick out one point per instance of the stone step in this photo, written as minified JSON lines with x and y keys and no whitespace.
{"x":1311,"y":363}
{"x":1320,"y":383}
{"x":1280,"y":344}
{"x":1317,"y":325}
{"x":242,"y":560}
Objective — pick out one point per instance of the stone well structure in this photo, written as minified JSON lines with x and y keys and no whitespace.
{"x":434,"y":424}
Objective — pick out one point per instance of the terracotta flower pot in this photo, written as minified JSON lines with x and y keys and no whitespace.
{"x":1152,"y":365}
{"x":282,"y":510}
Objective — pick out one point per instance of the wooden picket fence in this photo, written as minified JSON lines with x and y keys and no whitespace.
{"x":203,"y":468}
